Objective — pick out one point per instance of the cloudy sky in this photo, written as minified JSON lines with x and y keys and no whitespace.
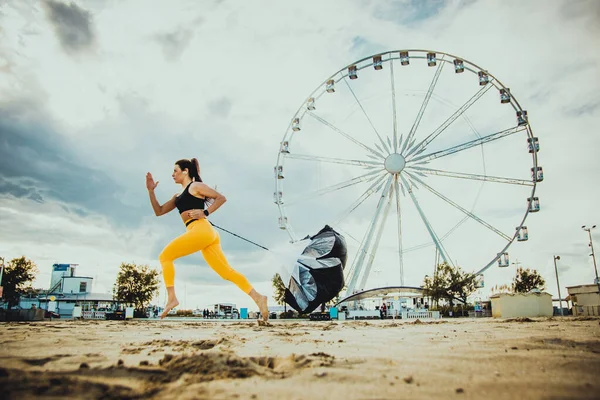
{"x":94,"y":94}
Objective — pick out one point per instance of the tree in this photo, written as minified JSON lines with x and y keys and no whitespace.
{"x":501,"y":289}
{"x":435,"y":287}
{"x":449,"y":283}
{"x":462,"y":284}
{"x":136,"y":284}
{"x":526,"y":280}
{"x":279,"y":287}
{"x":17,"y":278}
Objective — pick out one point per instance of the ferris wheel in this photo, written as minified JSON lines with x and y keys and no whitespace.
{"x":416,"y":157}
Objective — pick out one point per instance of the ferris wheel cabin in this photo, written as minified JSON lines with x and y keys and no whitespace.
{"x":503,"y":261}
{"x":534,"y":204}
{"x":537,"y":174}
{"x":523,"y":234}
{"x":533,"y":144}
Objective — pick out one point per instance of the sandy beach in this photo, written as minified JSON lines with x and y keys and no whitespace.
{"x":541,"y":358}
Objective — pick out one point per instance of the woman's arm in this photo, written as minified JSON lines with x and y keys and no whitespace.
{"x":161,"y":209}
{"x":200,"y":189}
{"x":158,"y":209}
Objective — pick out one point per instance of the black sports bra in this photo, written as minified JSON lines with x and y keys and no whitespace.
{"x":187,"y":201}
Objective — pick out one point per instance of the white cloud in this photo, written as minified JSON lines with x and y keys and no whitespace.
{"x":221,"y":82}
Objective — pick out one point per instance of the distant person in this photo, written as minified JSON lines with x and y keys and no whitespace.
{"x":200,"y":234}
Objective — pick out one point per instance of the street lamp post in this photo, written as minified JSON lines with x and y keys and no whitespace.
{"x":1,"y":273}
{"x":585,"y":228}
{"x":518,"y":265}
{"x":558,"y":284}
{"x":1,"y":269}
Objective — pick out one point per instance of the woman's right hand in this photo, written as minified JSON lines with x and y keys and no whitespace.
{"x":196,"y":214}
{"x":150,"y":184}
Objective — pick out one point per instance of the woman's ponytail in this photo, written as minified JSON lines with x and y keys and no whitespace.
{"x":196,"y":173}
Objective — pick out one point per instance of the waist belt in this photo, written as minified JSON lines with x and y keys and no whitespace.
{"x":190,"y":221}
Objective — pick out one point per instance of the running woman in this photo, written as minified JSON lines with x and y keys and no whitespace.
{"x":196,"y":202}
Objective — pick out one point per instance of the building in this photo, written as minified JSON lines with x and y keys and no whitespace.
{"x":224,"y":310}
{"x":585,"y":299}
{"x":66,"y":291}
{"x":511,"y":305}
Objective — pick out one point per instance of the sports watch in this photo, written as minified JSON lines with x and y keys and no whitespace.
{"x":206,"y":212}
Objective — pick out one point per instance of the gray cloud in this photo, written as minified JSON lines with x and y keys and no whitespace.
{"x":21,"y":191}
{"x":175,"y":43}
{"x":362,"y":46}
{"x":584,"y":8}
{"x":410,"y":12}
{"x":37,"y":163}
{"x":220,"y":108}
{"x":72,"y":24}
{"x":578,"y":110}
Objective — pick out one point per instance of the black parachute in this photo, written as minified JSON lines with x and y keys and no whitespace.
{"x":318,"y":272}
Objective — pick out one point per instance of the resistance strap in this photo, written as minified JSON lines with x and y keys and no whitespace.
{"x":231,"y":233}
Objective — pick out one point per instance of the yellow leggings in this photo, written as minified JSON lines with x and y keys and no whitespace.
{"x":200,"y":235}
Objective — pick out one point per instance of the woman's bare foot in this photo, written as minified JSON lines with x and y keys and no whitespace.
{"x":172,"y":301}
{"x":170,"y":305}
{"x":263,"y":323}
{"x":264,"y":309}
{"x":261,"y":302}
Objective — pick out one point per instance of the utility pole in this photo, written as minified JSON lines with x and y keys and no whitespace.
{"x":593,"y":254}
{"x":558,"y":284}
{"x":1,"y":269}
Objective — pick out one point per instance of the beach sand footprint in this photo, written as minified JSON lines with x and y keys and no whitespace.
{"x":40,"y":362}
{"x":147,"y":380}
{"x":158,"y":345}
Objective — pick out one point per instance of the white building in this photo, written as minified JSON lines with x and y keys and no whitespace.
{"x":585,"y":299}
{"x":67,"y":291}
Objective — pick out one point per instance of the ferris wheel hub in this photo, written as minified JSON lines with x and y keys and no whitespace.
{"x":394,"y":163}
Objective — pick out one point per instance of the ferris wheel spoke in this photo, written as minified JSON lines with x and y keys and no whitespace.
{"x":363,"y":197}
{"x":329,"y":189}
{"x":413,"y":129}
{"x":423,"y":144}
{"x":366,"y":243}
{"x":366,"y":163}
{"x":375,"y":247}
{"x":395,"y":121}
{"x":365,"y":113}
{"x":463,"y":210}
{"x":344,"y":134}
{"x":399,"y":214}
{"x":380,"y":149}
{"x":434,"y":237}
{"x":485,"y":178}
{"x":467,"y":145}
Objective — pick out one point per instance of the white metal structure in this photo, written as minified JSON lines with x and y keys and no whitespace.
{"x":412,"y":155}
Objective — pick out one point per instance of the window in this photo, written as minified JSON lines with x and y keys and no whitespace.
{"x":82,"y":287}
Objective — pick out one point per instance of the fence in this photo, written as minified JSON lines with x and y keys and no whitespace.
{"x":93,"y":315}
{"x":479,"y":314}
{"x":421,"y":315}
